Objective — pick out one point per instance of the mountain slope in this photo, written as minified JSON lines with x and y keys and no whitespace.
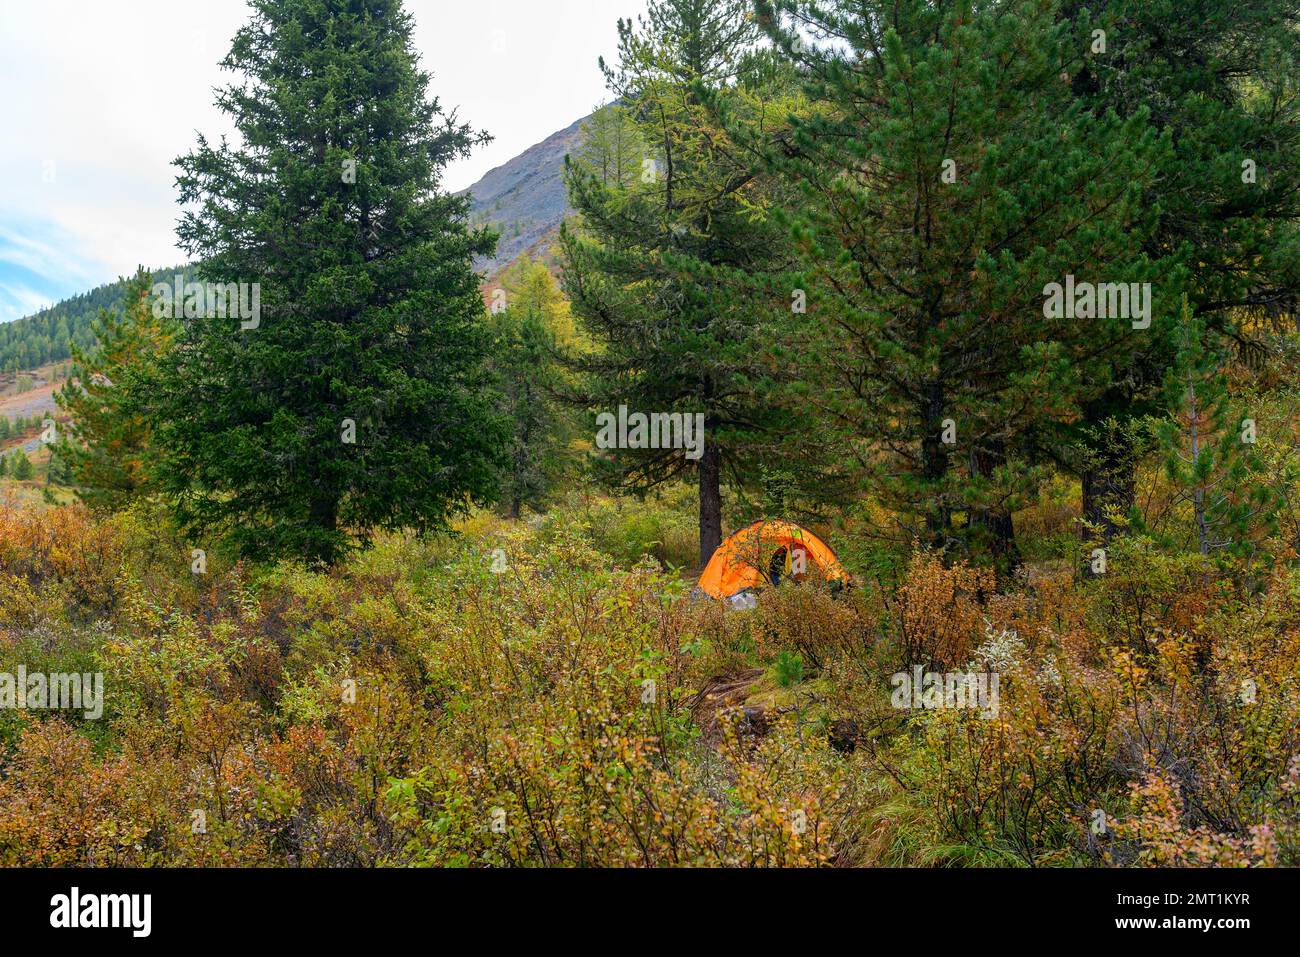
{"x":525,"y":199}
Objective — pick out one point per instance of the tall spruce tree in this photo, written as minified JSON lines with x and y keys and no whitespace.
{"x":357,"y":399}
{"x":648,"y":265}
{"x":948,"y":180}
{"x":22,"y":467}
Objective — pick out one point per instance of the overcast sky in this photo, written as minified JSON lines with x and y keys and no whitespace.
{"x":97,"y":97}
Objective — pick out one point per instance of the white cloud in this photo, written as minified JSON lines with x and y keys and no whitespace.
{"x":99,"y":98}
{"x":18,"y":301}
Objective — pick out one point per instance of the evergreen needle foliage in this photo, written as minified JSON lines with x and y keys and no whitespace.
{"x":360,"y":399}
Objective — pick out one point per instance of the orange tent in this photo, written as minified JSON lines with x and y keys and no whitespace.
{"x":751,"y":557}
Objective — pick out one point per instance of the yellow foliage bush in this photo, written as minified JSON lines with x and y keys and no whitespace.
{"x":530,"y":695}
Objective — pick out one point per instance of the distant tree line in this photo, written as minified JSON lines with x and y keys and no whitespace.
{"x":51,"y":334}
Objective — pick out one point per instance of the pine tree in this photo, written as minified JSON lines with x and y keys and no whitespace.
{"x":1210,"y":450}
{"x":22,"y":467}
{"x":1219,"y":76}
{"x":650,"y":267}
{"x":948,"y":179}
{"x":356,"y":399}
{"x":104,"y":446}
{"x":57,"y":470}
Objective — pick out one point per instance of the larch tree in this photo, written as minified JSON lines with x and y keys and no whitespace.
{"x":1209,"y":446}
{"x":612,"y":148}
{"x":105,"y":445}
{"x":529,"y":334}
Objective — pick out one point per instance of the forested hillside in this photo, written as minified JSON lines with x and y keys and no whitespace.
{"x":49,"y":335}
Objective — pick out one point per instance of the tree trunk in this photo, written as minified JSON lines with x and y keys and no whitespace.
{"x":934,"y":462}
{"x":710,"y":502}
{"x":1109,"y":483}
{"x":1198,"y":493}
{"x":324,"y":515}
{"x":996,"y":524}
{"x":1002,"y":538}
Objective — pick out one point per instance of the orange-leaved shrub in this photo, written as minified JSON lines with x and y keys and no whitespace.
{"x":520,"y":696}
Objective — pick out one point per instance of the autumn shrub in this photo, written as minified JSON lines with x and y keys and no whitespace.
{"x":938,"y":611}
{"x":1047,"y":528}
{"x":62,"y":553}
{"x":567,"y":739}
{"x":1011,"y":786}
{"x":525,"y":694}
{"x":1157,"y":828}
{"x":1146,"y":592}
{"x":62,"y":807}
{"x":626,"y":530}
{"x":1216,"y":717}
{"x":1157,"y":726}
{"x":815,"y":622}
